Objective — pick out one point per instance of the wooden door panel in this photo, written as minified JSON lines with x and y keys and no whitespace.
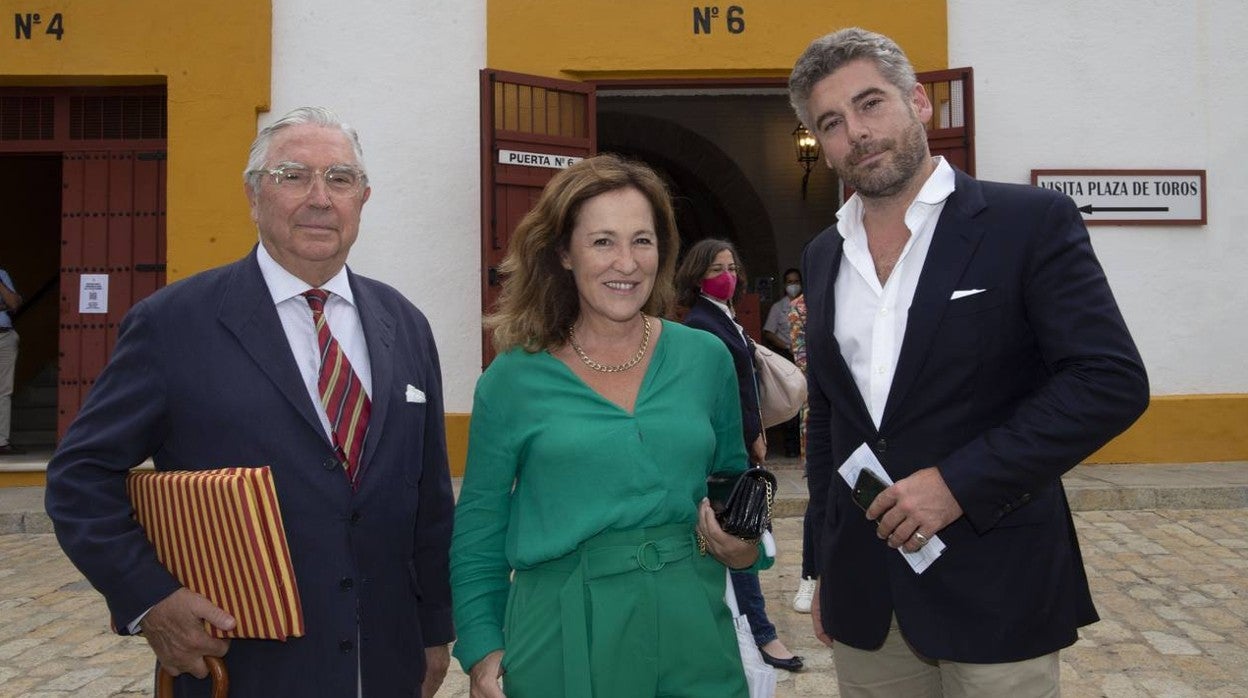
{"x":112,"y":223}
{"x":528,"y":114}
{"x":951,"y":130}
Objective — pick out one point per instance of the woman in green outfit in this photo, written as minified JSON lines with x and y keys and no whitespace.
{"x":575,"y":563}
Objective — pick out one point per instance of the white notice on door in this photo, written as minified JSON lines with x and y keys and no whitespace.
{"x":93,"y":294}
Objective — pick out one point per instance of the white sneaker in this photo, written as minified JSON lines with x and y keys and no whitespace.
{"x":805,"y":593}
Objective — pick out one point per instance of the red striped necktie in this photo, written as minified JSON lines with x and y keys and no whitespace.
{"x":342,"y":394}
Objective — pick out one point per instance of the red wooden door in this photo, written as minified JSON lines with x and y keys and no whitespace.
{"x":951,"y":132}
{"x":530,"y":125}
{"x":113,"y":224}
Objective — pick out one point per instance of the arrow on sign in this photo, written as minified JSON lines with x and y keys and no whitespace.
{"x":1090,"y":209}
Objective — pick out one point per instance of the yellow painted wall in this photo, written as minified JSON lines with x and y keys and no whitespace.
{"x":602,"y":39}
{"x":1184,"y":429}
{"x":214,"y":58}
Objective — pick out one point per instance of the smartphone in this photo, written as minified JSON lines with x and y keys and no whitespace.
{"x":866,"y":488}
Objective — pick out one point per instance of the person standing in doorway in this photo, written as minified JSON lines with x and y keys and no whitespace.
{"x":776,"y":329}
{"x":10,"y":300}
{"x":778,"y":336}
{"x":962,"y":334}
{"x":806,"y":585}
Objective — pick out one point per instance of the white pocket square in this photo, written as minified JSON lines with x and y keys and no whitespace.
{"x":414,"y":394}
{"x":966,"y":292}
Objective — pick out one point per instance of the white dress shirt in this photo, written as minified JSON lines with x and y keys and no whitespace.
{"x":296,"y":317}
{"x":870,"y":319}
{"x":778,"y":320}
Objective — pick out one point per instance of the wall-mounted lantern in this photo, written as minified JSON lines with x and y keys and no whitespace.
{"x":807,"y":153}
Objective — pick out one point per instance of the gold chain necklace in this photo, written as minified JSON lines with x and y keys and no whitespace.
{"x":604,"y":368}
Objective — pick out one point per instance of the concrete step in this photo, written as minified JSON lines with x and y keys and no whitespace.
{"x":33,"y":422}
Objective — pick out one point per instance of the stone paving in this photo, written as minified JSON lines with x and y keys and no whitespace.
{"x":1171,"y":586}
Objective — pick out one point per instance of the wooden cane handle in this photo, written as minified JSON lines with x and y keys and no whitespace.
{"x":216,"y":669}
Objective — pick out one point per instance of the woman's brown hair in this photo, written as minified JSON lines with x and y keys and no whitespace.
{"x":539,"y":300}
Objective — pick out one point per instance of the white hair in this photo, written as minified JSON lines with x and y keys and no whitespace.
{"x":318,"y":116}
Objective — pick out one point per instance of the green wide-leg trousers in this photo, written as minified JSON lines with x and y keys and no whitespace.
{"x":629,"y":614}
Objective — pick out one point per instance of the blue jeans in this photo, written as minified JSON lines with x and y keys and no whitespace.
{"x":750,"y":601}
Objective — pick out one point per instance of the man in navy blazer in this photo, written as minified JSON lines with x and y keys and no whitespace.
{"x":965,"y":333}
{"x":221,"y":369}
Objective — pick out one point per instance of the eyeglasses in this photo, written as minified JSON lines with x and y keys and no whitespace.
{"x":296,"y":178}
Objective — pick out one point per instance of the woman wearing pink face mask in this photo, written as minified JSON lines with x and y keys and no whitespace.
{"x":709,"y":280}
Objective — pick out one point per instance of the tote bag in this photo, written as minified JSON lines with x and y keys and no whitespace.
{"x":781,"y":386}
{"x":759,"y":676}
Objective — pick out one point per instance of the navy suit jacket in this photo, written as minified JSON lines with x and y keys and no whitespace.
{"x":704,"y":315}
{"x":1003,"y":391}
{"x":202,"y":376}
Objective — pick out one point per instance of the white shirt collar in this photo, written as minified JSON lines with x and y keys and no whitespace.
{"x":939,"y":185}
{"x":283,"y":285}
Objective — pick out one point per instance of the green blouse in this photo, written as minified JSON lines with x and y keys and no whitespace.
{"x":551,"y":463}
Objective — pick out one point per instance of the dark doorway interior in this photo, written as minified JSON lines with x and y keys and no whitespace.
{"x":30,"y":197}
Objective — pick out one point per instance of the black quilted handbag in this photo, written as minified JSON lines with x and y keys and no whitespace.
{"x":742,"y":501}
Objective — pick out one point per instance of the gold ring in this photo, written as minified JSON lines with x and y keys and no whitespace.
{"x":922,"y":539}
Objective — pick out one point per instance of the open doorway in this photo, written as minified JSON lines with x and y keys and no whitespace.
{"x":30,"y":248}
{"x":727,"y":151}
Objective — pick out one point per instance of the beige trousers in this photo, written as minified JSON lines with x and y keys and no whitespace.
{"x":8,"y":361}
{"x":897,"y":671}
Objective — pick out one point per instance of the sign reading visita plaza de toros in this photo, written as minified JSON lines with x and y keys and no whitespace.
{"x":1131,"y":197}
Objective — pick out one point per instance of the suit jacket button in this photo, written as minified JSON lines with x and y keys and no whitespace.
{"x":881,"y":446}
{"x":355,"y":517}
{"x":346,"y":646}
{"x":331,"y":464}
{"x":346,"y":583}
{"x":1025,"y":498}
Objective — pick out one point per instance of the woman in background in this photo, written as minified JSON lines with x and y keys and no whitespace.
{"x":575,"y":565}
{"x":709,"y":281}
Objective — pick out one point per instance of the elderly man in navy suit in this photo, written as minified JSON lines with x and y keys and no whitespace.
{"x":285,"y":358}
{"x":964,"y":332}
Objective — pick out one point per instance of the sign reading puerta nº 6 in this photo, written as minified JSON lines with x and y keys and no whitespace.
{"x":1131,"y":197}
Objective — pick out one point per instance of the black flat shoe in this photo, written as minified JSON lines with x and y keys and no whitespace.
{"x":794,"y":663}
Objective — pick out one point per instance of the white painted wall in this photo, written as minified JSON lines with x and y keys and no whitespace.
{"x":1131,"y":84}
{"x":405,"y":75}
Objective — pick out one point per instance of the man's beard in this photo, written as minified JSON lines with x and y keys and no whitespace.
{"x":884,"y":179}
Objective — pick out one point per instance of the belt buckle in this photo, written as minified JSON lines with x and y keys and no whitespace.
{"x":643,"y":558}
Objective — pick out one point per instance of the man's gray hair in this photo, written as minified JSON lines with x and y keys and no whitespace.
{"x":830,"y":52}
{"x":318,"y":116}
